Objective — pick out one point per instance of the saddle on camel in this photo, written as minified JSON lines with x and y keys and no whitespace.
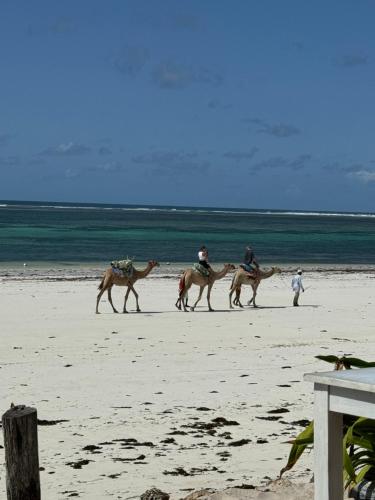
{"x":123,"y":268}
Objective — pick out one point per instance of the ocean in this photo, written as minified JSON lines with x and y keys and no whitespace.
{"x":40,"y":232}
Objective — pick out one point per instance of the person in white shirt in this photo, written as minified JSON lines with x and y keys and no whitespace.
{"x":203,"y":257}
{"x":297,"y":286}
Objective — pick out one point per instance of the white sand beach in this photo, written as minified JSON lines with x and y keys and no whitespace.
{"x":139,"y":389}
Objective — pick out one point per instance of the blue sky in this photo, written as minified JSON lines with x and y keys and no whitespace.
{"x":232,"y":103}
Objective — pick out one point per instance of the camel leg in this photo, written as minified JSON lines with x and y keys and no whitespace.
{"x":105,"y":286}
{"x":178,"y":303}
{"x":110,"y":299}
{"x":98,"y":300}
{"x":255,"y":294}
{"x":230,"y":299}
{"x":126,"y":300}
{"x":130,"y":287}
{"x":208,"y":297}
{"x":237,"y":301}
{"x":201,"y":288}
{"x":182,"y":297}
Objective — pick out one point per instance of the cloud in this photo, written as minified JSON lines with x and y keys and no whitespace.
{"x":104,"y":151}
{"x":68,"y":149}
{"x":350,"y":60}
{"x":280,"y":130}
{"x":9,"y":161}
{"x":279,"y":162}
{"x":241,"y":155}
{"x":365,"y":176}
{"x":172,"y":162}
{"x":361,"y":173}
{"x":130,"y":60}
{"x":171,"y":75}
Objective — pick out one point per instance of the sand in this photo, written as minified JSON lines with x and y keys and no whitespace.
{"x":142,"y":391}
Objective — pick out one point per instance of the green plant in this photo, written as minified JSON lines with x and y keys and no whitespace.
{"x":358,"y":435}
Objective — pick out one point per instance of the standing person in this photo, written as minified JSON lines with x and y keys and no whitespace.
{"x":297,"y":286}
{"x":203,"y":257}
{"x":250,"y":263}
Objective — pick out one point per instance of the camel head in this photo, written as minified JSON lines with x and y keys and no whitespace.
{"x":276,"y":270}
{"x":229,"y":267}
{"x":153,"y":263}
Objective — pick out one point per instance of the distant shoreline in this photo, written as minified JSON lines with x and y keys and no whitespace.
{"x":62,"y":205}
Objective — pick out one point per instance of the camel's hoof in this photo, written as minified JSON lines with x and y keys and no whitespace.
{"x":138,"y":310}
{"x":116,"y":312}
{"x":97,"y":312}
{"x":125,"y":312}
{"x":211,"y":310}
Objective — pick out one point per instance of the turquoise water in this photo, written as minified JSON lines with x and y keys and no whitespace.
{"x":62,"y":232}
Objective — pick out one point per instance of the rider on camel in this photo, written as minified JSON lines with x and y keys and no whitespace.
{"x":250,"y":263}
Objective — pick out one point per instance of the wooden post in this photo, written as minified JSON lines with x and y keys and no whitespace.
{"x":21,"y":453}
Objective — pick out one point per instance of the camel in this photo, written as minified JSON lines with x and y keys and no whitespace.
{"x":242,"y":278}
{"x":110,"y":279}
{"x":192,"y":277}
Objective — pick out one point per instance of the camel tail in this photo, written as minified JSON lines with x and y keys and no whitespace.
{"x":100,"y":287}
{"x":181,"y":285}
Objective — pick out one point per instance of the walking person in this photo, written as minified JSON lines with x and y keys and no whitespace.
{"x":297,"y":286}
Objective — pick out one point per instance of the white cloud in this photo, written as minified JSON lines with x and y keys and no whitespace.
{"x":364,"y":175}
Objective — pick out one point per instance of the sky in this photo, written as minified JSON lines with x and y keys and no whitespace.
{"x":226,"y":103}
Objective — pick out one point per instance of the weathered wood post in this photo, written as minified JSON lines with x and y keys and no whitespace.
{"x":21,"y":453}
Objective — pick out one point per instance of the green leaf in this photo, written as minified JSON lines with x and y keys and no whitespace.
{"x":329,"y":359}
{"x":359,"y":363}
{"x":305,"y":438}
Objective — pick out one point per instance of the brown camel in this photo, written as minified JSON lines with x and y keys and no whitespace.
{"x":242,"y":278}
{"x":110,"y":278}
{"x":191,"y":277}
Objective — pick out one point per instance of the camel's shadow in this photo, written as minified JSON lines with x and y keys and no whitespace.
{"x":280,"y":307}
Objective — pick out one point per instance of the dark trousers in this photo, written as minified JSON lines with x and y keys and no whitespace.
{"x":296,"y":297}
{"x":205,"y":264}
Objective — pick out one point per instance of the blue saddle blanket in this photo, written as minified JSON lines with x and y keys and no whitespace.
{"x":247,"y":267}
